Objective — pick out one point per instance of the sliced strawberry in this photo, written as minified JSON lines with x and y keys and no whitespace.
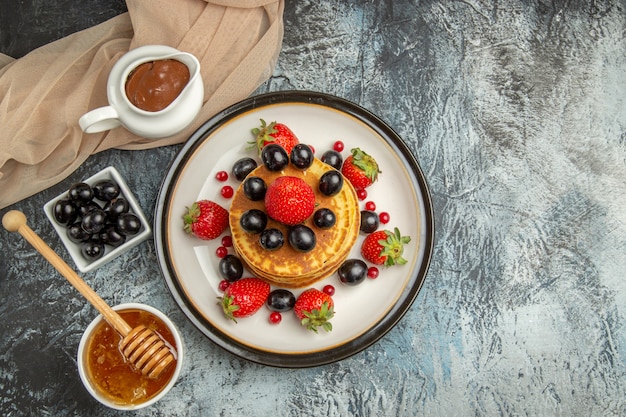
{"x":205,"y":219}
{"x":275,"y":132}
{"x":244,"y":297}
{"x":314,"y":309}
{"x":384,"y":247}
{"x":360,"y":169}
{"x":289,"y":200}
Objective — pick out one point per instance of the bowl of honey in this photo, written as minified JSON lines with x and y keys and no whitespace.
{"x":112,"y":380}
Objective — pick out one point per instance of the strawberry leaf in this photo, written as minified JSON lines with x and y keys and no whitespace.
{"x":190,"y":217}
{"x":262,"y":135}
{"x":365,"y":163}
{"x":393,"y":247}
{"x":319,"y":318}
{"x":228,"y":306}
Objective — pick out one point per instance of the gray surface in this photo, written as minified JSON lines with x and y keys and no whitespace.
{"x":516,"y":113}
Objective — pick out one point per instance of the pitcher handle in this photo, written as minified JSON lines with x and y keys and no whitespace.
{"x":99,"y":120}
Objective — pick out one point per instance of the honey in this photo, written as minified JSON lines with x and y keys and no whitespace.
{"x":111,"y":374}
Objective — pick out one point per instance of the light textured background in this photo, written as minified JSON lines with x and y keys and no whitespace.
{"x":516,"y":112}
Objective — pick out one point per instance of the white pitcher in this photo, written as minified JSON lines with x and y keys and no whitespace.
{"x":149,"y":124}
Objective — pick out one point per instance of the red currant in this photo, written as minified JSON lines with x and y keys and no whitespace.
{"x":227,"y":191}
{"x":227,"y":241}
{"x":384,"y":217}
{"x":275,"y":317}
{"x":223,"y":285}
{"x":370,"y":205}
{"x":221,"y":252}
{"x":221,"y":176}
{"x":372,"y":272}
{"x":361,"y":194}
{"x":312,"y":148}
{"x":338,"y":146}
{"x":329,"y":290}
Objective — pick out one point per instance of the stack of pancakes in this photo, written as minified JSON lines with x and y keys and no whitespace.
{"x":286,"y":267}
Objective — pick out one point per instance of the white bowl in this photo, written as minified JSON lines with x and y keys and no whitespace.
{"x":83,"y":264}
{"x":82,"y":354}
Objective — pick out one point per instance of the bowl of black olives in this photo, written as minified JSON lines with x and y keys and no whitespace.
{"x":98,"y":219}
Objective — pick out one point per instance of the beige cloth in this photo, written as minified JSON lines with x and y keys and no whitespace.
{"x":43,"y":94}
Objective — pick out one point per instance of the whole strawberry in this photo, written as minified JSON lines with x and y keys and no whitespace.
{"x":314,"y":309}
{"x":205,"y":219}
{"x":275,"y":132}
{"x":289,"y":200}
{"x":384,"y":247}
{"x":244,"y":297}
{"x":360,"y":169}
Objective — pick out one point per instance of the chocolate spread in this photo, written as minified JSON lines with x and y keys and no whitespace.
{"x":154,"y":85}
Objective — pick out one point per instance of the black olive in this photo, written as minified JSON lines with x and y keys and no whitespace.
{"x":81,"y":192}
{"x":92,"y":250}
{"x":106,"y":190}
{"x":65,"y":211}
{"x":111,"y":236}
{"x":128,"y":224}
{"x":77,"y":234}
{"x":115,"y":207}
{"x":94,"y":221}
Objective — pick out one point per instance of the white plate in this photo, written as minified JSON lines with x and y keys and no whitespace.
{"x":364,"y":313}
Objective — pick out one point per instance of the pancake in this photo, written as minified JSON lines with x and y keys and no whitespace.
{"x":287,"y":267}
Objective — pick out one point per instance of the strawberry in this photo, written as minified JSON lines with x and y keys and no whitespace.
{"x":360,"y":169}
{"x":314,"y":308}
{"x":244,"y":297}
{"x":289,"y":200}
{"x":274,"y":133}
{"x":384,"y":247}
{"x":205,"y":219}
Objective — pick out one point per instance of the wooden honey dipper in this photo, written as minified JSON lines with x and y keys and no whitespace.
{"x":142,"y":347}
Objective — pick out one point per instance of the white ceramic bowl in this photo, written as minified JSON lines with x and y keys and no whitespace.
{"x":83,"y":264}
{"x":81,"y":356}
